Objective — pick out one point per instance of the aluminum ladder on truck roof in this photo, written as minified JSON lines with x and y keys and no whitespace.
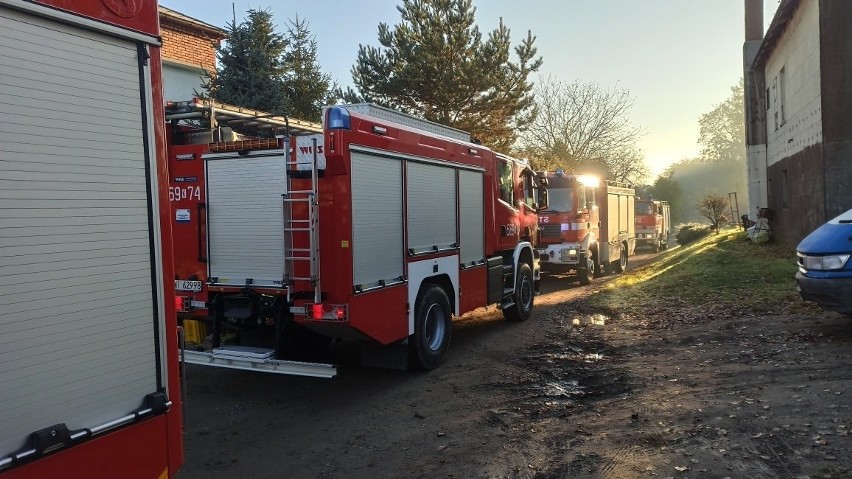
{"x":218,"y":113}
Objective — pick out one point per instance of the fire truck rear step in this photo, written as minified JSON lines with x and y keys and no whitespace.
{"x":257,"y":359}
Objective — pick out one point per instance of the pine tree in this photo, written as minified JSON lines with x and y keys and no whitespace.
{"x":306,"y":86}
{"x":251,"y":68}
{"x":435,"y":64}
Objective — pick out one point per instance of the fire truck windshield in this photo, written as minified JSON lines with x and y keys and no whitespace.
{"x":644,"y":208}
{"x":561,"y":198}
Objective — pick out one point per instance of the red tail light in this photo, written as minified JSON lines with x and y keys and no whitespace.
{"x":328,"y":312}
{"x":182,"y":304}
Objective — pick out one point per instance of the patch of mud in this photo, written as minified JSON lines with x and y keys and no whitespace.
{"x":582,"y":464}
{"x":572,"y":367}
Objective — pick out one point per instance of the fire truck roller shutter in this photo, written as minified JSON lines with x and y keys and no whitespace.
{"x":245,"y":218}
{"x":377,"y":233}
{"x":471,"y":216}
{"x":79,"y":319}
{"x":431,"y":191}
{"x":623,"y":214}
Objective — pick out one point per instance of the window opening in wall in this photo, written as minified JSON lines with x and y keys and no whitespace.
{"x":770,"y":194}
{"x":785,"y":189}
{"x":782,"y":94}
{"x":775,"y":100}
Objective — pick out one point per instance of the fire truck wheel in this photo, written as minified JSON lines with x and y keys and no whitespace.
{"x":524,"y":295}
{"x":433,"y":328}
{"x":621,"y":265}
{"x":587,"y":274}
{"x":599,"y":268}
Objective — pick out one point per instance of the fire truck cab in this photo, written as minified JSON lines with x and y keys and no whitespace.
{"x":587,"y":227}
{"x":653,"y":223}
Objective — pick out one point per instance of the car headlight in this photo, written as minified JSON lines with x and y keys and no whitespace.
{"x":825,"y":263}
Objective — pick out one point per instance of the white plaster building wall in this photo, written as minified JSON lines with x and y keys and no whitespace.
{"x":797,"y":52}
{"x":180,"y":81}
{"x":755,"y":152}
{"x":758,"y":194}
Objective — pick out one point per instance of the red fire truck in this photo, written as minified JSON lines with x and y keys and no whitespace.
{"x":388,"y":228}
{"x":653,"y":223}
{"x":89,"y":379}
{"x":588,"y":226}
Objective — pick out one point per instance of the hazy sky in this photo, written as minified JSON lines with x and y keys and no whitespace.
{"x":677,"y":58}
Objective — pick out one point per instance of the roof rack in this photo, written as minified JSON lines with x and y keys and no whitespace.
{"x":235,"y":117}
{"x":383,"y":113}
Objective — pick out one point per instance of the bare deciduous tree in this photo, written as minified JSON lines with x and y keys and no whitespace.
{"x":722,"y":130}
{"x":713,"y":208}
{"x":580,"y":123}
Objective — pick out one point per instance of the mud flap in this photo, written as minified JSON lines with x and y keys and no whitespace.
{"x":536,"y":266}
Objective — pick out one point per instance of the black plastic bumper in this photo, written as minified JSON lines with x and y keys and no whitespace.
{"x":830,"y":293}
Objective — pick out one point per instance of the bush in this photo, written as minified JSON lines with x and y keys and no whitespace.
{"x":713,"y":208}
{"x":690,"y":232}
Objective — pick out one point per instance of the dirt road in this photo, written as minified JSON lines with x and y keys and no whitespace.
{"x":571,"y":393}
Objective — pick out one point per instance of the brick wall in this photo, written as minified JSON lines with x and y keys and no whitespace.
{"x":187,"y":46}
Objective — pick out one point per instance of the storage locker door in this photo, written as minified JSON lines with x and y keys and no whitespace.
{"x":376,"y":219}
{"x":245,"y":219}
{"x":78,"y":320}
{"x":431,"y":191}
{"x":471,"y":214}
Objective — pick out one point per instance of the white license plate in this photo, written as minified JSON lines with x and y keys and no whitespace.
{"x":182,"y":285}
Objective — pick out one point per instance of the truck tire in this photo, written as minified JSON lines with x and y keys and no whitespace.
{"x":523,"y":296}
{"x":433,"y":327}
{"x":621,"y":264}
{"x":587,"y":274}
{"x":599,"y":268}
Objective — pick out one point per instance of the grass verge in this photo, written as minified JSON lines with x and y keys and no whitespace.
{"x":724,"y":273}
